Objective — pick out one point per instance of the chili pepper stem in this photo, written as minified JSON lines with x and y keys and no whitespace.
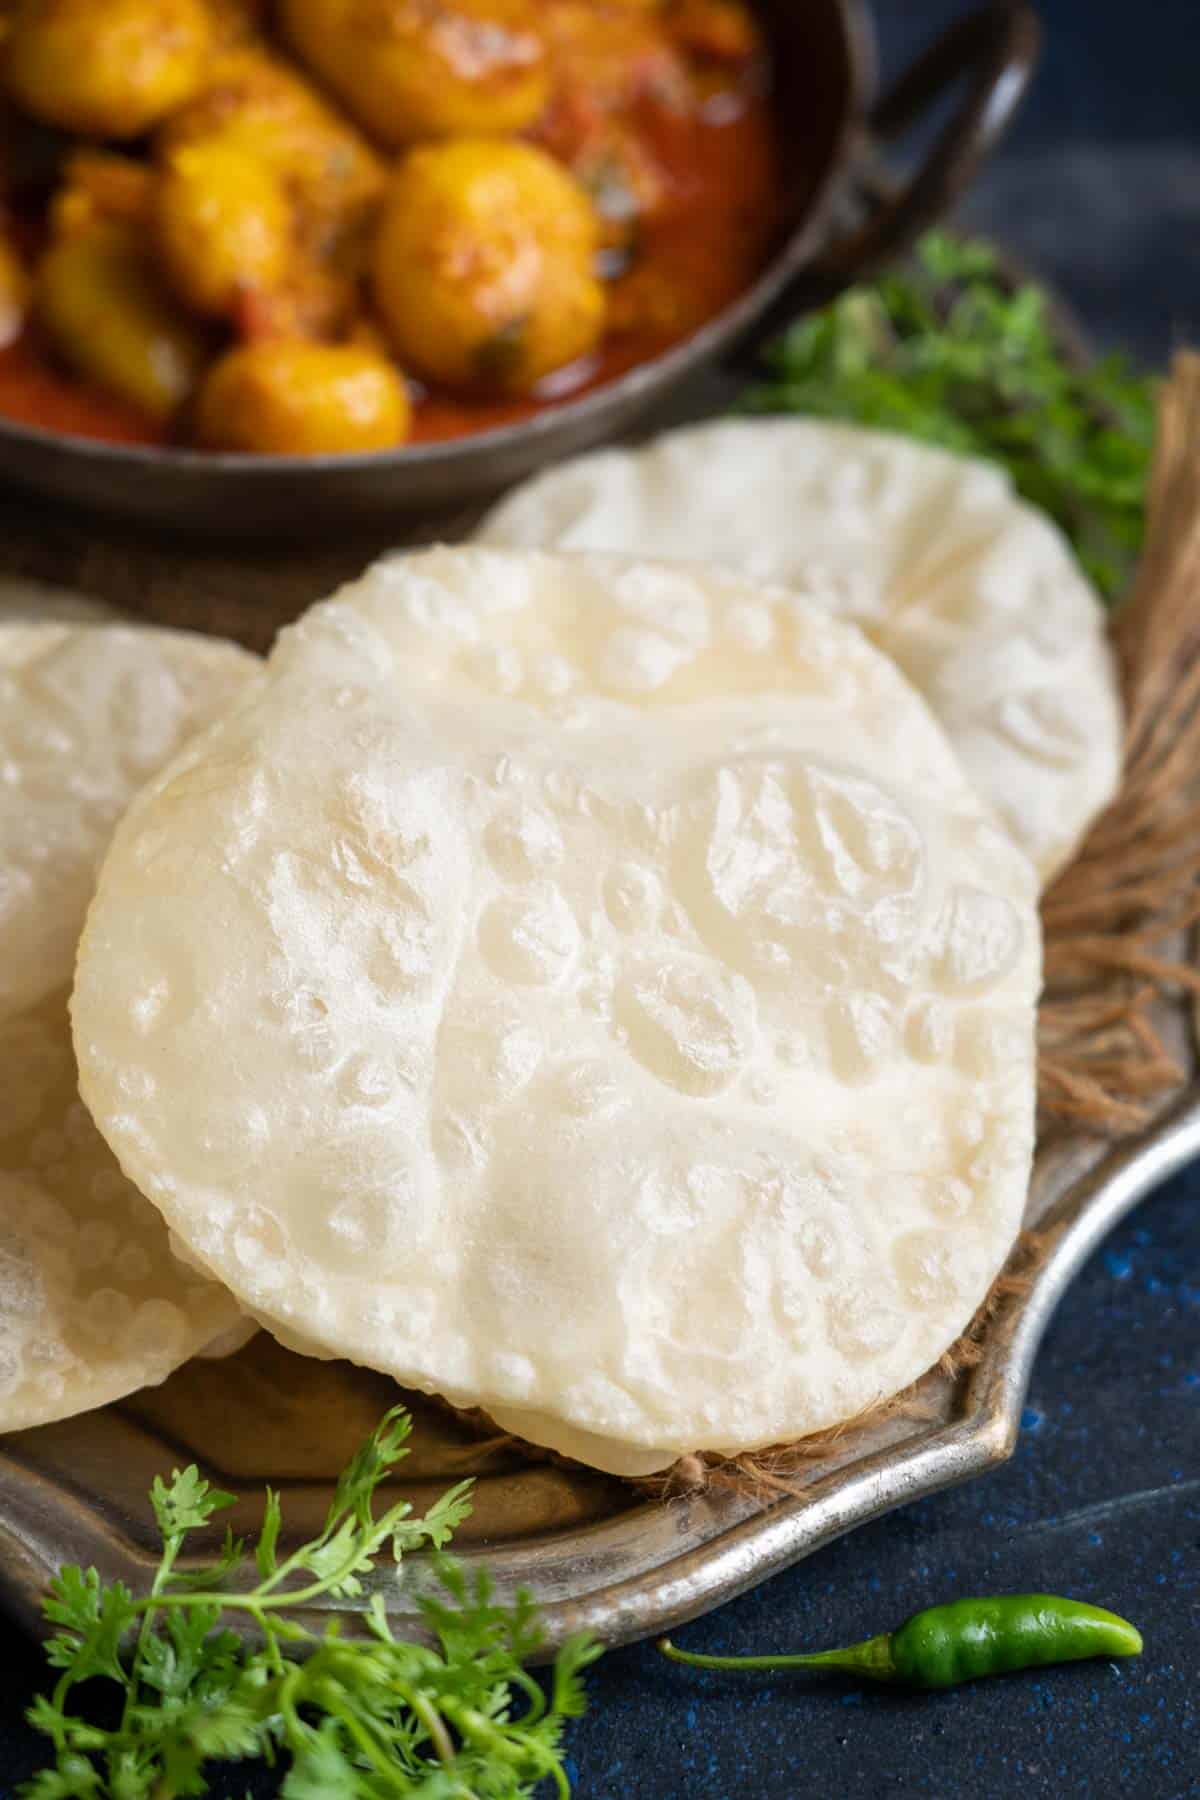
{"x":872,"y":1658}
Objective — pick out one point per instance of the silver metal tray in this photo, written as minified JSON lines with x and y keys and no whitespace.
{"x":595,"y":1554}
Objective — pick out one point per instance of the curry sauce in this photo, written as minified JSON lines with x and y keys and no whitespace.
{"x":660,"y":111}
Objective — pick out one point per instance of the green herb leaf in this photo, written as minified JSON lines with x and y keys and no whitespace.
{"x":444,"y":1517}
{"x":320,"y":1770}
{"x":268,"y":1537}
{"x":73,"y":1779}
{"x":945,"y":350}
{"x":185,"y":1503}
{"x":355,"y":1490}
{"x":358,"y":1719}
{"x":94,"y":1617}
{"x":569,"y":1694}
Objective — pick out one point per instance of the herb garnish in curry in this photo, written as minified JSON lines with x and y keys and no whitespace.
{"x":328,"y":227}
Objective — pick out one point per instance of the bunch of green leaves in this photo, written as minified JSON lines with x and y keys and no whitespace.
{"x":947,"y":350}
{"x":364,"y":1718}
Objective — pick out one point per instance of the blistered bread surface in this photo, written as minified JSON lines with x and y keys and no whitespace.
{"x":589,"y":990}
{"x":974,"y":593}
{"x":92,"y":1301}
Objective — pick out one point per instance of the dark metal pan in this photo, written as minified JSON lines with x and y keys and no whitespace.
{"x":824,"y":61}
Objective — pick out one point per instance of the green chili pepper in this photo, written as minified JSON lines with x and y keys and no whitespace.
{"x":961,"y":1641}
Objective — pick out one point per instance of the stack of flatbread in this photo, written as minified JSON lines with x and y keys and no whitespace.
{"x":589,"y":974}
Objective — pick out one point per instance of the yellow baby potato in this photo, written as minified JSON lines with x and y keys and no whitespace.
{"x":315,"y":302}
{"x":408,"y":70}
{"x":107,"y":315}
{"x":484,"y":265}
{"x":110,"y":68}
{"x":223,"y":225}
{"x":236,"y":21}
{"x":101,"y":185}
{"x":280,"y":398}
{"x":256,"y":104}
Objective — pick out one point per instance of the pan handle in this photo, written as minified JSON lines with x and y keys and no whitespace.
{"x":994,"y":52}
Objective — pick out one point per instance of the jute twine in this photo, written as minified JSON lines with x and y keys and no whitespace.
{"x":1133,"y":887}
{"x":1104,"y":1068}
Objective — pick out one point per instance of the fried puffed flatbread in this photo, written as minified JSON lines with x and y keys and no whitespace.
{"x":23,"y":599}
{"x":589,"y":990}
{"x":93,"y":1303}
{"x":975,"y":594}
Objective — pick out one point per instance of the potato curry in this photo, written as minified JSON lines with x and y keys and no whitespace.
{"x":302,"y":227}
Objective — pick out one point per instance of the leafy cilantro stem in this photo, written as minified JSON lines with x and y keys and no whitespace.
{"x":171,"y":1548}
{"x":364,"y":1718}
{"x":439,"y":1737}
{"x":265,"y":1599}
{"x":373,"y":1752}
{"x":172,"y":1545}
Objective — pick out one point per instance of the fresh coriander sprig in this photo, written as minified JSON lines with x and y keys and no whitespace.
{"x":350,"y":1719}
{"x":946,"y":350}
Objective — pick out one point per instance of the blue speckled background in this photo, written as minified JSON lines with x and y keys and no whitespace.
{"x":1101,"y":1500}
{"x":1100,"y":186}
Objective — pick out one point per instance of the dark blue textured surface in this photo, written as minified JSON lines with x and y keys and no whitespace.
{"x":1099,"y":184}
{"x":1101,"y":187}
{"x":1102,"y":1500}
